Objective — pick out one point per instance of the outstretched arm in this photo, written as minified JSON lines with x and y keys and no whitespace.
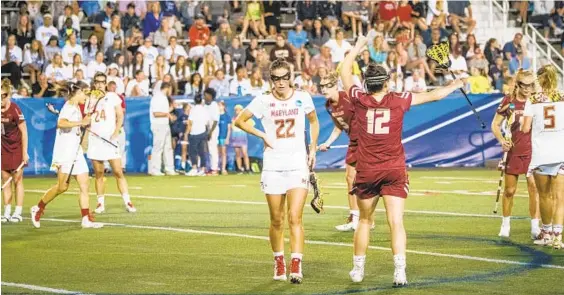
{"x":347,"y":67}
{"x":437,"y":94}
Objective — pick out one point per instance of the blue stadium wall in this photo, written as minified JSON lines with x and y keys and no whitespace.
{"x":438,"y":134}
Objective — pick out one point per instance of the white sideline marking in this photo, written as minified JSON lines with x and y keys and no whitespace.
{"x":443,"y":182}
{"x":188,"y":186}
{"x":264,"y":203}
{"x":313,"y":242}
{"x":465,"y":193}
{"x":40,"y":288}
{"x":238,"y":185}
{"x":466,"y":179}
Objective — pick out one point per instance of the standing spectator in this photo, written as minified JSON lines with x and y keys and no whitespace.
{"x":159,"y":69}
{"x":492,"y":50}
{"x":329,"y":13}
{"x":479,"y":84}
{"x":113,"y":31}
{"x":138,"y":86}
{"x":114,"y":50}
{"x":149,"y":52}
{"x":47,"y":30}
{"x":12,"y":57}
{"x":102,"y":21}
{"x":239,"y":142}
{"x":510,"y":48}
{"x":317,"y":36}
{"x":24,"y":32}
{"x":297,"y":40}
{"x":272,"y":17}
{"x":138,"y":64}
{"x":404,"y":18}
{"x":90,"y":49}
{"x":229,"y":67}
{"x":42,"y":88}
{"x":415,"y":83}
{"x":224,"y":126}
{"x":220,"y":84}
{"x":212,"y":47}
{"x":437,"y":10}
{"x":378,"y":50}
{"x":52,"y":48}
{"x":255,"y":19}
{"x":70,"y":49}
{"x":68,"y":14}
{"x":387,"y":13}
{"x":307,"y":12}
{"x":129,"y":19}
{"x":173,"y":51}
{"x":237,"y":52}
{"x":520,"y":61}
{"x":212,"y":109}
{"x":162,"y":141}
{"x":180,"y":72}
{"x":196,"y":85}
{"x":34,"y":60}
{"x":240,"y":85}
{"x":152,"y":20}
{"x":457,"y":15}
{"x":76,"y":65}
{"x":208,"y":67}
{"x":162,"y":36}
{"x":199,"y":33}
{"x":196,"y":134}
{"x":56,"y":71}
{"x":258,"y":85}
{"x":95,"y":66}
{"x":338,"y":46}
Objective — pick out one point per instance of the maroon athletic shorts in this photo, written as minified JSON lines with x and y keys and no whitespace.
{"x":393,"y":182}
{"x":517,"y":165}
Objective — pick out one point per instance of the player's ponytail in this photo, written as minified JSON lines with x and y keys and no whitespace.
{"x":548,"y":78}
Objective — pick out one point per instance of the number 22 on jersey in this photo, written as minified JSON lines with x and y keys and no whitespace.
{"x":285,"y":128}
{"x":375,"y":120}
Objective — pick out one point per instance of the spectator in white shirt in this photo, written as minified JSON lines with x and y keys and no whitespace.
{"x":229,"y":66}
{"x":113,"y":31}
{"x":95,"y":66}
{"x":68,"y":14}
{"x":150,"y":53}
{"x":159,"y":69}
{"x":415,"y":83}
{"x":220,"y":84}
{"x":162,"y":142}
{"x":338,"y":46}
{"x":113,"y":72}
{"x":47,"y":30}
{"x":180,"y":71}
{"x":258,"y":85}
{"x":197,"y":136}
{"x":76,"y":65}
{"x":240,"y":85}
{"x":34,"y":60}
{"x":90,"y":49}
{"x":138,"y":86}
{"x":173,"y":51}
{"x":458,"y":65}
{"x":70,"y":49}
{"x":213,"y":130}
{"x":305,"y":83}
{"x":12,"y":58}
{"x":213,"y":48}
{"x":138,"y":64}
{"x":56,"y":71}
{"x":166,"y":79}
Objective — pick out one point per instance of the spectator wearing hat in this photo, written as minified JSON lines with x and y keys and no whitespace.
{"x":152,"y":20}
{"x":162,"y":35}
{"x":114,"y":50}
{"x":113,"y":31}
{"x":68,"y":14}
{"x":47,"y":30}
{"x":173,"y":51}
{"x":113,"y":76}
{"x":102,"y":21}
{"x":138,"y":86}
{"x":199,"y":33}
{"x":519,"y":61}
{"x":297,"y":39}
{"x":129,"y":18}
{"x":70,"y":49}
{"x":510,"y":48}
{"x":149,"y":52}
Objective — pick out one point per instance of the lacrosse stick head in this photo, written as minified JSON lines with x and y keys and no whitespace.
{"x":440,"y":54}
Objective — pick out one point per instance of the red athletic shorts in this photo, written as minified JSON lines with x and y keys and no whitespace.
{"x":368,"y":184}
{"x":11,"y":161}
{"x":351,"y":154}
{"x":517,"y":165}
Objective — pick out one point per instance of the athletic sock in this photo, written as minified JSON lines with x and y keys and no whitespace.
{"x":557,"y":228}
{"x":297,"y":255}
{"x":101,"y":200}
{"x":399,"y":261}
{"x":276,"y":254}
{"x":126,"y":198}
{"x":506,"y":221}
{"x":7,"y":210}
{"x":18,"y":210}
{"x":534,"y":223}
{"x":41,"y":204}
{"x":84,"y":212}
{"x":359,"y":260}
{"x":547,"y":227}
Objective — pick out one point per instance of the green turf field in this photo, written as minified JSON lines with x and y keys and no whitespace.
{"x":209,"y":235}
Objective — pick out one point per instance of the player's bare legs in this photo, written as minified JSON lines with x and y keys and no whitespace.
{"x":17,"y":181}
{"x":546,"y":208}
{"x":276,"y":207}
{"x":296,"y":200}
{"x":352,"y":220}
{"x":7,"y":197}
{"x":394,"y":212}
{"x":557,"y":188}
{"x":362,"y":236}
{"x":534,"y":210}
{"x":507,"y":203}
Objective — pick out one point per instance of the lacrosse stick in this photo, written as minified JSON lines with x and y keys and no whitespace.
{"x":317,"y":201}
{"x":508,"y":123}
{"x":12,"y":175}
{"x":440,"y":54}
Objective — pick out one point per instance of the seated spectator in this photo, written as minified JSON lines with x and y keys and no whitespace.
{"x":329,"y":13}
{"x":224,"y":36}
{"x":387,"y":13}
{"x":196,"y":53}
{"x":510,"y":48}
{"x":236,"y":11}
{"x":220,"y":84}
{"x":258,"y":85}
{"x":272,"y":17}
{"x":34,"y":60}
{"x":102,"y":21}
{"x":418,"y":59}
{"x":214,"y":12}
{"x":418,"y":14}
{"x":520,"y":61}
{"x":42,"y":88}
{"x":556,"y":20}
{"x":114,"y":50}
{"x":199,"y":33}
{"x":356,"y":73}
{"x":376,"y":30}
{"x":415,"y":83}
{"x":152,"y":19}
{"x":255,"y":19}
{"x":458,"y":65}
{"x":138,"y":86}
{"x":378,"y":50}
{"x":130,"y":18}
{"x":208,"y":67}
{"x":470,"y":47}
{"x":404,"y":18}
{"x":541,"y":15}
{"x":321,"y":72}
{"x":251,"y":53}
{"x":90,"y":49}
{"x":166,"y":79}
{"x":196,"y":85}
{"x":479,"y":84}
{"x":297,"y":40}
{"x":149,"y":52}
{"x":305,"y":83}
{"x":76,"y":65}
{"x":237,"y":52}
{"x":68,"y":14}
{"x":240,"y":85}
{"x":212,"y":47}
{"x":159,"y":69}
{"x":282,"y":50}
{"x":170,"y":11}
{"x":496,"y":73}
{"x":229,"y":66}
{"x":24,"y":31}
{"x":123,"y":69}
{"x":307,"y":12}
{"x":365,"y":14}
{"x":56,"y":71}
{"x":263,"y":63}
{"x":23,"y":92}
{"x":188,"y":10}
{"x":113,"y":31}
{"x":317,"y":36}
{"x":180,"y":72}
{"x":71,"y":49}
{"x":47,"y":30}
{"x":350,"y":15}
{"x":52,"y":48}
{"x":364,"y":61}
{"x":392,"y":62}
{"x":434,"y":34}
{"x":437,"y":10}
{"x":162,"y":36}
{"x":67,"y":32}
{"x":479,"y":61}
{"x":454,"y":42}
{"x":492,"y":50}
{"x":95,"y":66}
{"x":338,"y":46}
{"x":323,"y":59}
{"x":79,"y":76}
{"x":90,"y":8}
{"x":113,"y":76}
{"x":134,"y":39}
{"x":457,"y":15}
{"x":395,"y":84}
{"x":138,"y":64}
{"x":12,"y":57}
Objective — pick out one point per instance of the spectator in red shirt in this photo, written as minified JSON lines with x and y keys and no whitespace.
{"x":404,"y":18}
{"x":387,"y":13}
{"x":199,"y":32}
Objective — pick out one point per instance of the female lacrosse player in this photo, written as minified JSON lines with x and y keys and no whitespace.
{"x":68,"y":157}
{"x":285,"y":172}
{"x":381,"y":169}
{"x":14,"y":153}
{"x":518,"y":149}
{"x":544,"y":115}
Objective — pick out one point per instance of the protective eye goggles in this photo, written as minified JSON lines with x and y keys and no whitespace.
{"x":327,"y":85}
{"x":280,"y":78}
{"x":524,"y":85}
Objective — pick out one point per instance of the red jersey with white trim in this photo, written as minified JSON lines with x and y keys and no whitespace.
{"x":11,"y":134}
{"x":379,"y":128}
{"x":521,"y":140}
{"x":342,"y":113}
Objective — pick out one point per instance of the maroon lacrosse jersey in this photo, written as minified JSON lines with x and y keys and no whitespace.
{"x":11,"y":135}
{"x":521,"y":141}
{"x":379,"y":128}
{"x":342,"y":113}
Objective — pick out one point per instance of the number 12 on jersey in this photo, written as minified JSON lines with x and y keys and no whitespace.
{"x":375,"y":119}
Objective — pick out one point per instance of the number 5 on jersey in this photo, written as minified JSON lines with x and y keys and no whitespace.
{"x":375,"y":119}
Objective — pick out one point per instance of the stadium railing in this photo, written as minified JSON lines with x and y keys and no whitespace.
{"x":548,"y":52}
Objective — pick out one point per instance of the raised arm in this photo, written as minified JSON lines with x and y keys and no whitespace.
{"x":347,"y":67}
{"x":437,"y":94}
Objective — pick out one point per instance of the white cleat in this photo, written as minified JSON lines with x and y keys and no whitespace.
{"x":35,"y":216}
{"x":279,"y":269}
{"x":557,"y":241}
{"x":357,"y":274}
{"x":504,"y":231}
{"x":535,"y":233}
{"x":16,"y":218}
{"x":88,"y":222}
{"x":345,"y":227}
{"x":5,"y":219}
{"x":99,"y":209}
{"x":130,"y":208}
{"x":192,"y":172}
{"x":400,"y":279}
{"x":544,"y":239}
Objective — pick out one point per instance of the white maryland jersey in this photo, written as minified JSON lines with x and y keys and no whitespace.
{"x":284,"y":124}
{"x":104,"y":116}
{"x":547,"y":132}
{"x":67,"y":140}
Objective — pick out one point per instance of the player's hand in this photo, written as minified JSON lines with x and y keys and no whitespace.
{"x":311,"y":158}
{"x":85,"y":121}
{"x":115,"y":135}
{"x":25,"y":158}
{"x":458,"y":83}
{"x":323,"y":147}
{"x":227,"y":141}
{"x":506,"y":145}
{"x":361,"y":41}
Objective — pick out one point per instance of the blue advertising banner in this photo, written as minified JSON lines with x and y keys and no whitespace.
{"x":438,"y":134}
